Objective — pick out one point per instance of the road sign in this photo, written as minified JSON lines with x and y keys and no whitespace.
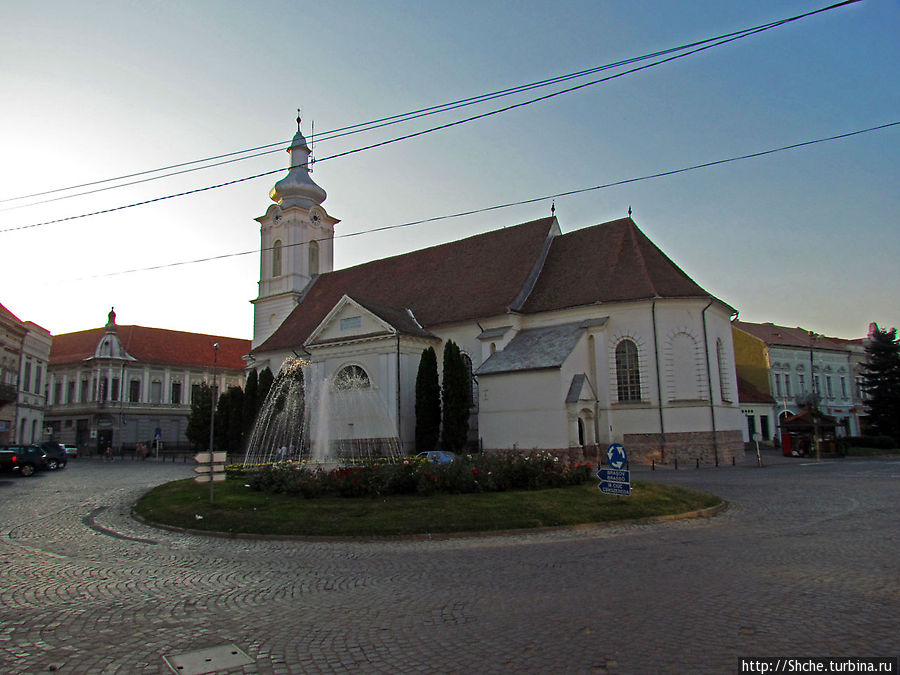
{"x":616,"y":456}
{"x":614,"y":475}
{"x":218,"y":457}
{"x":216,"y":478}
{"x":609,"y":488}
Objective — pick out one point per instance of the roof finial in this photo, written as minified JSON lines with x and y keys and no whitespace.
{"x":553,"y":208}
{"x":629,"y":210}
{"x":298,"y":119}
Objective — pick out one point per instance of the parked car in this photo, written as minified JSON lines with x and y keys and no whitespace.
{"x":56,"y":455}
{"x":23,"y":459}
{"x":71,"y":450}
{"x":437,"y":456}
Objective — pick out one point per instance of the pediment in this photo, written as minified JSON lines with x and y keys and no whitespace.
{"x":349,"y":320}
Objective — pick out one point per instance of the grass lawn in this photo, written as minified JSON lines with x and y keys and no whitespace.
{"x":238,"y":509}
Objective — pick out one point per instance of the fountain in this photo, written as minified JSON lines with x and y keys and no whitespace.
{"x":323,"y":422}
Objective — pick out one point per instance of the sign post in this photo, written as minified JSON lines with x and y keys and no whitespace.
{"x":616,"y":480}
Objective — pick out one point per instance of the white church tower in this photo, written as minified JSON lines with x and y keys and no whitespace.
{"x":296,"y":242}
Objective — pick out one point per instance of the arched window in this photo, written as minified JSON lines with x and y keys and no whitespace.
{"x":351,"y":378}
{"x":276,"y":258}
{"x":313,"y":258}
{"x":628,"y":372}
{"x":723,"y":372}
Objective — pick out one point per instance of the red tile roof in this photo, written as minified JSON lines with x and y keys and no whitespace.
{"x":748,"y":393}
{"x":784,"y":336}
{"x":157,"y":346}
{"x":488,"y":274}
{"x":474,"y":277}
{"x":612,"y":262}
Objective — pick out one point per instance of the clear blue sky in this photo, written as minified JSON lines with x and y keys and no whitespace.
{"x":98,"y":89}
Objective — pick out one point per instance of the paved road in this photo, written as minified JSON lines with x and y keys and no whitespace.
{"x":803,"y":563}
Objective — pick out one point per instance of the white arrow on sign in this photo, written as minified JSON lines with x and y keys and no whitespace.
{"x":205,"y":468}
{"x":203,"y":457}
{"x":216,"y":478}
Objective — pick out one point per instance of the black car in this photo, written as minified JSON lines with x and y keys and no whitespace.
{"x":57,"y":458}
{"x":23,"y":459}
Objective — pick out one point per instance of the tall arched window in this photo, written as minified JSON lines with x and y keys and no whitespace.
{"x":313,"y":258}
{"x":628,"y":371}
{"x":276,"y":258}
{"x":723,"y":372}
{"x":351,"y":378}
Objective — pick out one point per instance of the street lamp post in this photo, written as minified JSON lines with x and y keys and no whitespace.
{"x":212,"y":421}
{"x":813,"y":409}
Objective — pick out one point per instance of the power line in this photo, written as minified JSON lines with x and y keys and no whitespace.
{"x":693,"y":48}
{"x":522,"y":202}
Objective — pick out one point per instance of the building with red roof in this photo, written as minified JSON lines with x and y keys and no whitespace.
{"x":24,"y":352}
{"x":575,"y":340}
{"x":118,"y":386}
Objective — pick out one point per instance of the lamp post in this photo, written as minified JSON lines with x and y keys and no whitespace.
{"x":814,"y":408}
{"x":212,"y":420}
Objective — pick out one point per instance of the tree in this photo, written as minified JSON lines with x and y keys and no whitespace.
{"x":428,"y":402}
{"x":455,"y":398}
{"x":266,"y":378}
{"x":229,"y":420}
{"x":197,"y":430}
{"x":251,"y":387}
{"x":881,"y":382}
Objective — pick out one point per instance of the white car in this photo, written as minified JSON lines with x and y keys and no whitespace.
{"x":71,"y":450}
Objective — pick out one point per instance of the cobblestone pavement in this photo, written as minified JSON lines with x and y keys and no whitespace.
{"x":804,"y":562}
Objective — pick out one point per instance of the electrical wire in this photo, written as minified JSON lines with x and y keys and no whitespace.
{"x":402,"y":117}
{"x":522,"y":202}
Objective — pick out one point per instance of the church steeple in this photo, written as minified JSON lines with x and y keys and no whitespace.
{"x":296,"y":242}
{"x":298,"y":188}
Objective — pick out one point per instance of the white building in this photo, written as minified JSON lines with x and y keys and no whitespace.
{"x":575,"y":339}
{"x":24,"y":354}
{"x":117,"y":386}
{"x":802,"y":363}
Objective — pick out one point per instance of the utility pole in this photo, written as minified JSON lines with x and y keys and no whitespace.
{"x":212,"y":421}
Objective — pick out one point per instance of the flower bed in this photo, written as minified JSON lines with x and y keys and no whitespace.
{"x":466,"y":474}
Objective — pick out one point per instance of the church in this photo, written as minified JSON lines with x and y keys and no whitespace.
{"x":575,"y":340}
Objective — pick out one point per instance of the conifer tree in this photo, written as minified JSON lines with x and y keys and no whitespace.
{"x":266,"y":378}
{"x":881,"y":382}
{"x":250,"y":407}
{"x":455,"y":399}
{"x":428,"y":402}
{"x":197,"y":430}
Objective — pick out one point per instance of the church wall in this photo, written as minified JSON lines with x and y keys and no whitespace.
{"x":522,"y":410}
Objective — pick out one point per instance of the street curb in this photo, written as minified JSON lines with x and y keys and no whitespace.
{"x":709,"y":512}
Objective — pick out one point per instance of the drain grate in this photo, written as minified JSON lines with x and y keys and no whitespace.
{"x":207,"y":660}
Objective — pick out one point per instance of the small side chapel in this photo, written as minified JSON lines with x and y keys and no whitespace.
{"x":575,"y":340}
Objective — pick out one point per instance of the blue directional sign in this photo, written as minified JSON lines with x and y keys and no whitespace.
{"x":614,"y":475}
{"x":615,"y":488}
{"x":616,"y":457}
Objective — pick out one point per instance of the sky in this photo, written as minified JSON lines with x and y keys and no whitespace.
{"x":100,"y":89}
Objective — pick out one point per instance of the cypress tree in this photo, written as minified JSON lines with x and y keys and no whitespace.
{"x":250,"y":406}
{"x":455,"y":397}
{"x":428,"y":402}
{"x":881,"y":382}
{"x":197,"y":430}
{"x":265,"y":383}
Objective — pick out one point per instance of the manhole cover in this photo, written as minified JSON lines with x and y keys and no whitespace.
{"x":207,"y":660}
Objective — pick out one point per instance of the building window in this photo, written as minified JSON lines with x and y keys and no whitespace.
{"x":628,"y":372}
{"x":57,"y":393}
{"x":195,"y":392}
{"x":802,"y":379}
{"x":787,"y":385}
{"x":816,"y":384}
{"x":723,"y":379}
{"x":26,"y":377}
{"x":84,"y":391}
{"x":764,"y":427}
{"x":276,"y":259}
{"x":777,"y":385}
{"x":70,"y":394}
{"x":134,"y":391}
{"x":176,"y":393}
{"x":828,"y":390}
{"x":351,"y":378}
{"x":313,"y":258}
{"x":114,"y":391}
{"x":38,"y":376}
{"x":751,"y":426}
{"x":843,"y":387}
{"x":156,"y":391}
{"x":351,"y":322}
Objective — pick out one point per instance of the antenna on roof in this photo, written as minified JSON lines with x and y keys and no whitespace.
{"x":312,"y":146}
{"x":553,"y":209}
